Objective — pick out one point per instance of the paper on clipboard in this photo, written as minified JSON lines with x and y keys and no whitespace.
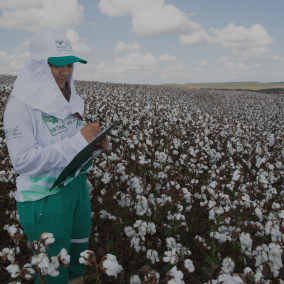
{"x":82,"y":156}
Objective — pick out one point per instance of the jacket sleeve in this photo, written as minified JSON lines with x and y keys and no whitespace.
{"x":27,"y":156}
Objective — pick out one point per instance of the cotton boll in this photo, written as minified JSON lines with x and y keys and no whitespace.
{"x":246,"y":243}
{"x":135,"y":279}
{"x":153,"y":256}
{"x":258,"y":213}
{"x":87,"y":257}
{"x":136,"y":184}
{"x":14,"y":270}
{"x":141,"y":205}
{"x":47,"y":238}
{"x":110,"y":265}
{"x":151,"y":228}
{"x":135,"y":243}
{"x":130,"y":232}
{"x":176,"y":276}
{"x":188,"y":264}
{"x":90,"y":187}
{"x":55,"y":262}
{"x":142,"y":228}
{"x":228,"y":265}
{"x":63,"y":257}
{"x":171,"y":243}
{"x":273,"y":228}
{"x":28,"y":271}
{"x":106,"y":178}
{"x":125,"y":200}
{"x":236,"y":175}
{"x":171,"y":256}
{"x":275,"y":252}
{"x":229,"y":279}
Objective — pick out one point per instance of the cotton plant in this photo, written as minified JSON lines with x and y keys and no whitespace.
{"x":135,"y":279}
{"x":108,"y":265}
{"x":175,"y":276}
{"x":228,"y":265}
{"x":40,"y":263}
{"x":171,"y":256}
{"x":153,"y":256}
{"x":185,"y":160}
{"x":246,"y":243}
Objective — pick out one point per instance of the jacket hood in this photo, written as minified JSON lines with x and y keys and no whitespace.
{"x":35,"y":84}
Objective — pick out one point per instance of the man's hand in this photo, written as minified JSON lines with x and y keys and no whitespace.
{"x":90,"y":131}
{"x":104,"y":142}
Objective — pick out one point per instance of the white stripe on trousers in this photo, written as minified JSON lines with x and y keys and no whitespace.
{"x":79,"y":241}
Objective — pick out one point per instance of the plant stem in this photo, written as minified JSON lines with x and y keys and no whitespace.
{"x":211,"y":275}
{"x":16,"y":242}
{"x":162,"y":281}
{"x":40,"y":278}
{"x":97,"y":273}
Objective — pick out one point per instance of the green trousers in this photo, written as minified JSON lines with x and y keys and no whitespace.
{"x":67,"y":215}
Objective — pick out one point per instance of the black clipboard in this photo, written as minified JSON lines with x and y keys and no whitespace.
{"x":82,"y":156}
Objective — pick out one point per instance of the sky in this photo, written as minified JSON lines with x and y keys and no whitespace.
{"x":154,"y":41}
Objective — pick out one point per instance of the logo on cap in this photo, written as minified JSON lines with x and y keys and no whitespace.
{"x":63,"y":45}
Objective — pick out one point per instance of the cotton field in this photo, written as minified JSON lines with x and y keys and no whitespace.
{"x":189,"y":191}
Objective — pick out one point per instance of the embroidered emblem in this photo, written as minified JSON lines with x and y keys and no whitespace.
{"x":63,"y":45}
{"x":12,"y":133}
{"x":54,"y":125}
{"x":70,"y":120}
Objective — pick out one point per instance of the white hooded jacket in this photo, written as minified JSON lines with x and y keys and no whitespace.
{"x":41,"y":133}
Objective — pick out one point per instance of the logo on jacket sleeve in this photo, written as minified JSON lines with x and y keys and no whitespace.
{"x":54,"y":125}
{"x":12,"y":133}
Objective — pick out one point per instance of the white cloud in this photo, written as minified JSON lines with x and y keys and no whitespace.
{"x":202,"y":63}
{"x":150,"y":17}
{"x":241,"y":37}
{"x":78,"y":43}
{"x":223,"y":59}
{"x":3,"y":54}
{"x":93,"y":23}
{"x":245,"y":43}
{"x":20,"y":4}
{"x":12,"y":64}
{"x":51,"y":13}
{"x":167,"y":58}
{"x":236,"y":68}
{"x":132,"y":68}
{"x":118,"y":8}
{"x":122,"y":46}
{"x":259,"y":53}
{"x":23,"y":45}
{"x":191,"y":14}
{"x":135,"y":61}
{"x":200,"y":37}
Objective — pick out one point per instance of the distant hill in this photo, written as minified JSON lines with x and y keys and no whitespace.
{"x":273,"y":87}
{"x":225,"y":83}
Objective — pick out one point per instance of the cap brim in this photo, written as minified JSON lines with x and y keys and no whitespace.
{"x":65,"y":60}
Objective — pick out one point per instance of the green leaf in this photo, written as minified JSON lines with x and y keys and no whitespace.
{"x":166,"y":268}
{"x":118,"y":228}
{"x":110,"y":244}
{"x":92,"y":242}
{"x":208,"y":259}
{"x":167,"y":231}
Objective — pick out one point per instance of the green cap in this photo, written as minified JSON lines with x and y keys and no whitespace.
{"x":65,"y":60}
